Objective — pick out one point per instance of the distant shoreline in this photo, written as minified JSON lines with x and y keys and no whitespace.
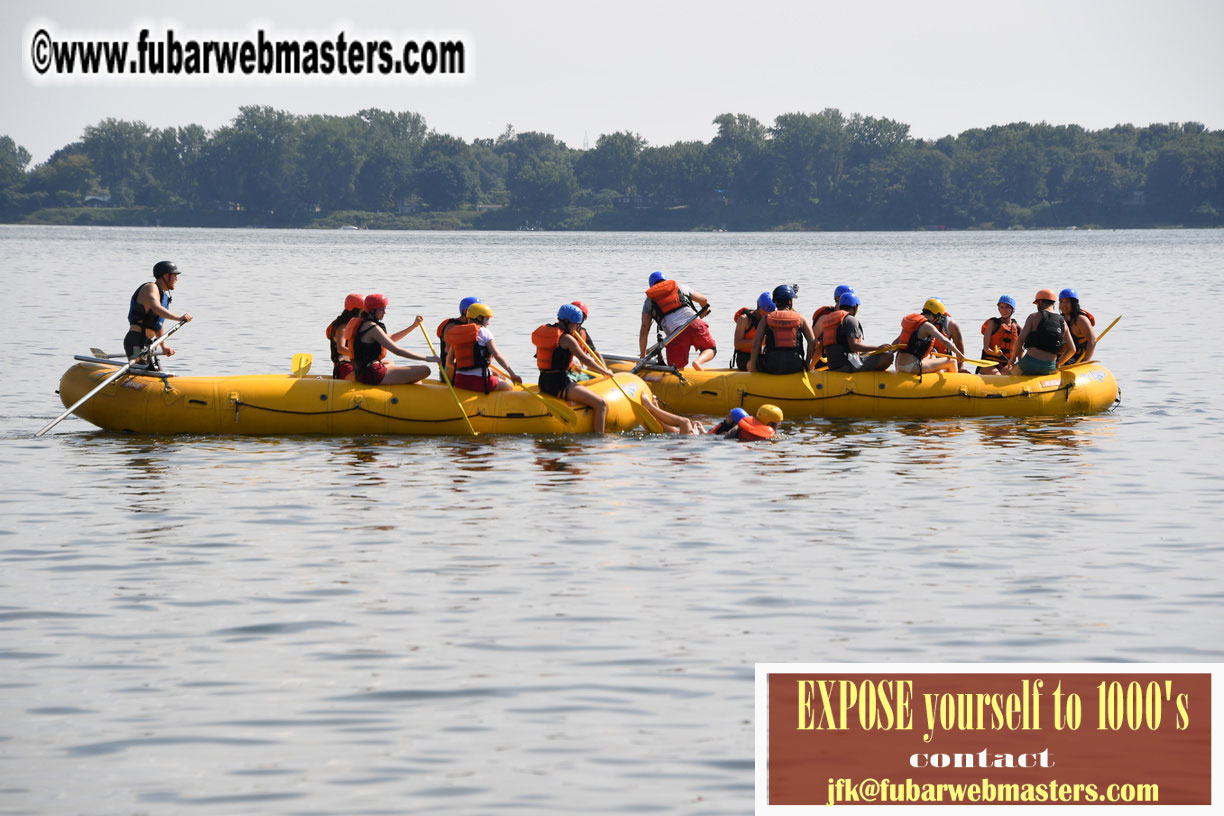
{"x":468,"y":220}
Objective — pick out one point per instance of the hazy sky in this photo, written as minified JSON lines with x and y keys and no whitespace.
{"x":665,"y":70}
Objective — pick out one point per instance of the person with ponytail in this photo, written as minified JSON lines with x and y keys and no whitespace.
{"x":1080,"y":323}
{"x":337,"y":338}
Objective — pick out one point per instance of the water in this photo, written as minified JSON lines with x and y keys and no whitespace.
{"x":559,"y":625}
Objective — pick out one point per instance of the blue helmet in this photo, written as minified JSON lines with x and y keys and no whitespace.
{"x":841,"y":290}
{"x":783,"y":292}
{"x":1008,"y":299}
{"x":765,"y":303}
{"x":466,"y":302}
{"x":848,"y":299}
{"x":1068,"y":293}
{"x":570,"y":312}
{"x":655,"y":277}
{"x":737,"y":414}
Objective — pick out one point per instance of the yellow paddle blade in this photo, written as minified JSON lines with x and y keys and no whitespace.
{"x":301,"y":364}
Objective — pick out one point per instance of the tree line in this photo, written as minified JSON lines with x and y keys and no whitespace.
{"x":820,"y":170}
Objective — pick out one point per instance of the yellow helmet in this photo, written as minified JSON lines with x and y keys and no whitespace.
{"x":769,"y":413}
{"x":934,"y":306}
{"x":479,"y":310}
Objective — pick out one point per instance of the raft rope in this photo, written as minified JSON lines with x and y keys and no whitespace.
{"x":1067,"y":388}
{"x":240,"y":404}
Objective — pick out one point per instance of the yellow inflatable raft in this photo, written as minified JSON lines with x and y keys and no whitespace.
{"x":282,"y":404}
{"x":1080,"y":389}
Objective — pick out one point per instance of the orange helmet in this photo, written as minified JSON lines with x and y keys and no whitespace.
{"x":583,"y":307}
{"x":375,"y":302}
{"x":353,"y":302}
{"x":1045,"y":294}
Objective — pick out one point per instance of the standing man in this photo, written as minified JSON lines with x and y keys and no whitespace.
{"x":670,"y":304}
{"x":148,"y":311}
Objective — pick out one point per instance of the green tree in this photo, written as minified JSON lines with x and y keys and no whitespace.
{"x":542,"y":186}
{"x":329,"y":157}
{"x":119,"y":151}
{"x":13,"y":162}
{"x":253,"y":162}
{"x":681,"y":170}
{"x":610,"y":165}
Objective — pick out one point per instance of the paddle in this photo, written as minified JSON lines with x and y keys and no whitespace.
{"x":551,"y":404}
{"x":1098,"y":339}
{"x":446,"y":379}
{"x":301,"y":364}
{"x":640,"y":411}
{"x":658,"y":347}
{"x":1107,"y":328}
{"x":97,"y":352}
{"x":118,"y":373}
{"x":884,"y":349}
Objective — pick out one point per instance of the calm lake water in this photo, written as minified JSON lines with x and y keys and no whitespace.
{"x":222,"y":625}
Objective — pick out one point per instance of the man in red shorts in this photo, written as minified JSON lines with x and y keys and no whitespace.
{"x":671,"y":305}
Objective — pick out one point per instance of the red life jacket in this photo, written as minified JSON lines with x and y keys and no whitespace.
{"x":549,"y":354}
{"x":782,"y":330}
{"x":833,"y":321}
{"x":468,"y":353}
{"x":665,"y":295}
{"x":745,"y":345}
{"x":914,"y":345}
{"x":1000,"y":335}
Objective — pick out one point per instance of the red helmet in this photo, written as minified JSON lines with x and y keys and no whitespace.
{"x":353,"y":302}
{"x":375,"y":302}
{"x":582,"y":306}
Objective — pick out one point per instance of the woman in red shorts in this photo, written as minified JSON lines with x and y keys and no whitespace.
{"x":370,"y":343}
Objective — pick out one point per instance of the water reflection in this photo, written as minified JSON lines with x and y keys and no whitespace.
{"x":1062,"y":432}
{"x":555,"y":456}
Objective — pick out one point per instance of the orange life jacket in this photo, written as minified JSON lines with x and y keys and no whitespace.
{"x":821,"y":312}
{"x":745,"y":345}
{"x":782,"y":330}
{"x":833,"y":321}
{"x":751,"y":428}
{"x":468,"y":353}
{"x":914,"y":344}
{"x":1001,"y":335}
{"x":665,"y":295}
{"x":335,"y":331}
{"x":549,"y":354}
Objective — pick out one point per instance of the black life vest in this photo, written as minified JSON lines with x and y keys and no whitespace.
{"x":138,"y":315}
{"x":365,"y":353}
{"x":1048,"y":336}
{"x":915,"y":344}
